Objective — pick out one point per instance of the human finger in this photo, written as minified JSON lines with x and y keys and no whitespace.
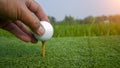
{"x":14,"y":29}
{"x":26,"y":30}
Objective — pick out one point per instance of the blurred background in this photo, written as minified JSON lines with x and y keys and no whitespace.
{"x":82,"y":17}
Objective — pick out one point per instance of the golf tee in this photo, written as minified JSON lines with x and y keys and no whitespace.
{"x":43,"y":48}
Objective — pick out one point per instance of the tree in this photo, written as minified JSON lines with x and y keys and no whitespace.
{"x":89,"y":19}
{"x":101,"y":19}
{"x":114,"y":18}
{"x":69,"y":20}
{"x":52,"y":19}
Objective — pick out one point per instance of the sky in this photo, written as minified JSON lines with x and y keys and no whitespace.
{"x":79,"y":8}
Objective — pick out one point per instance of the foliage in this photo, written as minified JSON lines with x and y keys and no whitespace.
{"x":52,"y":19}
{"x":114,"y":18}
{"x":100,"y":19}
{"x":93,"y":29}
{"x":88,"y":20}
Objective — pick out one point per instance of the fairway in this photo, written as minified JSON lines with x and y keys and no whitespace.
{"x":63,"y":52}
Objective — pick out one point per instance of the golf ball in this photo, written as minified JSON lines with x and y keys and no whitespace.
{"x":48,"y":31}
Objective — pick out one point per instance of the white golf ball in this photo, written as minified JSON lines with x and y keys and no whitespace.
{"x":48,"y":31}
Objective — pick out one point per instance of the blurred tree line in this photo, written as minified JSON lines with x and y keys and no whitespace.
{"x":87,"y":20}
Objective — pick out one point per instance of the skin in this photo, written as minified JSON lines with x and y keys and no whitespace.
{"x":15,"y":15}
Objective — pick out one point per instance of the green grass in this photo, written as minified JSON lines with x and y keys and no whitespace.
{"x":94,"y":29}
{"x":64,"y":52}
{"x":77,"y":30}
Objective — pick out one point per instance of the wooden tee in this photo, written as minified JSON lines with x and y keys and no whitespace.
{"x":43,"y":48}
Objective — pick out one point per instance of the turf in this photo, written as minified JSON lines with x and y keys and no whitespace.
{"x":64,"y":52}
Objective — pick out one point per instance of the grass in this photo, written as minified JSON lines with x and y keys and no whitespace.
{"x":77,"y":30}
{"x":64,"y":52}
{"x":94,"y":29}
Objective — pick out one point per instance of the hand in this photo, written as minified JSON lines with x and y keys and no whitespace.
{"x":15,"y":15}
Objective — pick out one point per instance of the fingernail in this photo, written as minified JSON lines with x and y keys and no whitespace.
{"x":34,"y":40}
{"x":41,"y":30}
